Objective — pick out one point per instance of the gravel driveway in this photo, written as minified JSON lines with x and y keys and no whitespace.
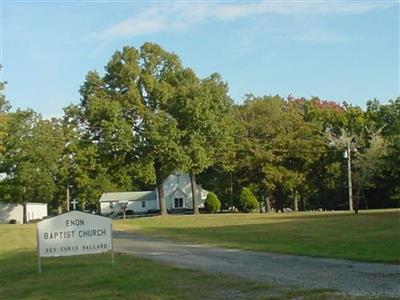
{"x":356,"y":278}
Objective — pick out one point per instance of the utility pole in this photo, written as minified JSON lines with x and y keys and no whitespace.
{"x":231,"y":193}
{"x":350,"y":185}
{"x":68,"y":205}
{"x":23,"y":201}
{"x":345,"y":140}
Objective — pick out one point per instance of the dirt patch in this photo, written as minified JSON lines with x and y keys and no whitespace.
{"x":349,"y":277}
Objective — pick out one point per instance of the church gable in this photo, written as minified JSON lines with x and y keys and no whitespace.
{"x":178,"y":191}
{"x":177,"y":181}
{"x":178,"y":199}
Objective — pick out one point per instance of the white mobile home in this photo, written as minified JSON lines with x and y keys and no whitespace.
{"x":14,"y":211}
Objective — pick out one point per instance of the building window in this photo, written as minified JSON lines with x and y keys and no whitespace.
{"x":143,"y":203}
{"x":111,"y":205}
{"x":178,"y":202}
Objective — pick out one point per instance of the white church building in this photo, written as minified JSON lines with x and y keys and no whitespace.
{"x":177,"y":195}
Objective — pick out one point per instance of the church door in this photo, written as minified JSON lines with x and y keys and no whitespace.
{"x":178,"y":203}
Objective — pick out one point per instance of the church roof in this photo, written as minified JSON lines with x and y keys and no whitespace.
{"x":173,"y":191}
{"x":128,"y":196}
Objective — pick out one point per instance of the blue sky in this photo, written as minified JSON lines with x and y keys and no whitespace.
{"x":337,"y":50}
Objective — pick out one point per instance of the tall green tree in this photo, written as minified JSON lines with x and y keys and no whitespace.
{"x":204,"y":113}
{"x":4,"y":108}
{"x":149,"y":108}
{"x":387,"y":118}
{"x":126,"y":112}
{"x":369,"y":164}
{"x":99,"y":156}
{"x":32,"y":152}
{"x":279,"y":148}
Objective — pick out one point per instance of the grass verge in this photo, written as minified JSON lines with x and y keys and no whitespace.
{"x":368,"y":236}
{"x":93,"y":277}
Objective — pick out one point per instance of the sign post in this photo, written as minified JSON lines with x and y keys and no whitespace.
{"x":74,"y":233}
{"x":38,"y":251}
{"x":112,"y":248}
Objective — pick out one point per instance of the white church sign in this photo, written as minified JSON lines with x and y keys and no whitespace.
{"x":74,"y":233}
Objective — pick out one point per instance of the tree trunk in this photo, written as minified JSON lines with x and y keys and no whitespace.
{"x":279,"y":202}
{"x":160,"y":189}
{"x":24,"y":213}
{"x":295,"y":201}
{"x":365,"y":201}
{"x":357,"y":204}
{"x":193,"y":185}
{"x":267,"y":204}
{"x":23,"y":202}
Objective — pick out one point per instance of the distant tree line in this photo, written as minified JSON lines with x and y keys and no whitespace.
{"x":148,"y":116}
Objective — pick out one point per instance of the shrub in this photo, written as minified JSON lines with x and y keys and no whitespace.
{"x":212,"y":203}
{"x":247,"y":201}
{"x":12,"y":221}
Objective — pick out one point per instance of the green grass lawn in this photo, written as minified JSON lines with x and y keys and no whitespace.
{"x":367,"y":236}
{"x":93,"y":277}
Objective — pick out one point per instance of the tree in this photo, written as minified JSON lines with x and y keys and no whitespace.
{"x":162,"y":146}
{"x":4,"y":105}
{"x":279,"y":148}
{"x":204,"y":114}
{"x":387,"y":118}
{"x":99,"y":154}
{"x":369,"y":164}
{"x":4,"y":108}
{"x":32,"y":152}
{"x":127,"y":113}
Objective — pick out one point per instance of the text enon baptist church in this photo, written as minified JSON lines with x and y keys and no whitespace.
{"x":74,"y":233}
{"x":74,"y":236}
